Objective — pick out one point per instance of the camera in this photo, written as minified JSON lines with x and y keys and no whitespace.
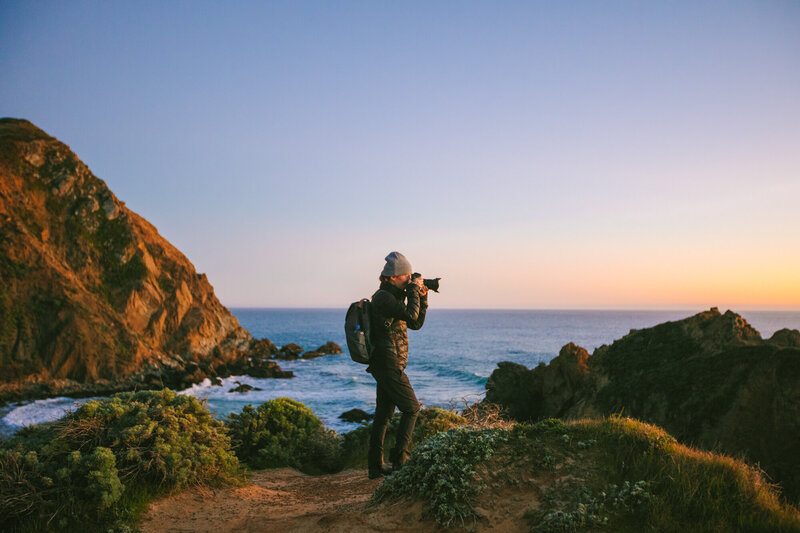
{"x":432,"y":284}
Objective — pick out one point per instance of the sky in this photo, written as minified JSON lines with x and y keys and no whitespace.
{"x":535,"y":155}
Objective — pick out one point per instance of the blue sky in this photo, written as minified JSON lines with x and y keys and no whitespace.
{"x":533,"y":154}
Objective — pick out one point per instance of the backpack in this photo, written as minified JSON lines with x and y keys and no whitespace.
{"x":356,"y":331}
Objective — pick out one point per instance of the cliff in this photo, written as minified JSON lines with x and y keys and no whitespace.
{"x":710,"y":380}
{"x":92,"y":298}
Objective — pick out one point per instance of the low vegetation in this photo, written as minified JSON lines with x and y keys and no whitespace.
{"x":615,"y":473}
{"x":284,"y":432}
{"x":431,"y":420}
{"x":440,"y":472}
{"x":101,"y":464}
{"x":97,"y":468}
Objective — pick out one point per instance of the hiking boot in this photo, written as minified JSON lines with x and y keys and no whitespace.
{"x":384,"y":470}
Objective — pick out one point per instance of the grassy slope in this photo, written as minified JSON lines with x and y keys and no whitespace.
{"x":616,"y":473}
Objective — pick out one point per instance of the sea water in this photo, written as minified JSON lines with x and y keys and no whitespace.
{"x":450,"y":358}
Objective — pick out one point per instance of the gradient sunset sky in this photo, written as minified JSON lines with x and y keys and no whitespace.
{"x":542,"y":155}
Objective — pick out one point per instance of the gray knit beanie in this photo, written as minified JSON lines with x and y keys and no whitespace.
{"x":396,"y":265}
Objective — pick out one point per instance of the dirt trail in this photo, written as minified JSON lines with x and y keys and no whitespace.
{"x":284,"y":500}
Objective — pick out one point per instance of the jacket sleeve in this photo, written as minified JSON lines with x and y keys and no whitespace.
{"x":423,"y":307}
{"x":388,"y":306}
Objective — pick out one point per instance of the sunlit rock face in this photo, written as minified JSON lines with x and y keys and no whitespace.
{"x":92,"y":298}
{"x":709,"y":379}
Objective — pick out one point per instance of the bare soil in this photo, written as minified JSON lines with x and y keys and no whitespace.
{"x":285,"y":500}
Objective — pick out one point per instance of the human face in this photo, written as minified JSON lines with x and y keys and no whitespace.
{"x":400,"y":281}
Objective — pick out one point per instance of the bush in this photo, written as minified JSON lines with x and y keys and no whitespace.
{"x":75,"y":471}
{"x":431,"y":420}
{"x":440,"y":470}
{"x":284,"y":432}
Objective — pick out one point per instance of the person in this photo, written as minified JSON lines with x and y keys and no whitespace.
{"x":398,"y":304}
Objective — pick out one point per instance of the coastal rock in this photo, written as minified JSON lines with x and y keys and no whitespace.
{"x":786,"y":337}
{"x":93,"y":299}
{"x":289,"y":352}
{"x":355,"y":416}
{"x":709,"y":379}
{"x":329,"y":348}
{"x":255,"y":366}
{"x":544,"y":392}
{"x":243,"y":387}
{"x":263,"y":348}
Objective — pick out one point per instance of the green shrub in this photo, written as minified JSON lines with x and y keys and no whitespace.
{"x":440,"y":470}
{"x":431,"y":420}
{"x":75,"y":471}
{"x":284,"y":432}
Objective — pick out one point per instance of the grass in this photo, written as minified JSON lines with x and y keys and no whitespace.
{"x":690,"y":487}
{"x":613,"y":473}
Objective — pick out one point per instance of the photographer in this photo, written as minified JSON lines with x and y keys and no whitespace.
{"x":398,"y":304}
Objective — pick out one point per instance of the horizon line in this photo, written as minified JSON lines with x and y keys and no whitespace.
{"x":617,"y":309}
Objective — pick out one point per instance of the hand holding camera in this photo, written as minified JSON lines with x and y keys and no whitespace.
{"x":424,"y":284}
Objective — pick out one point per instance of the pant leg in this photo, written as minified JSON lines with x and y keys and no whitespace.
{"x":397,"y":388}
{"x":384,"y":408}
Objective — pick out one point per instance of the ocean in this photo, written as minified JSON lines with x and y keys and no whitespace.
{"x":450,"y":358}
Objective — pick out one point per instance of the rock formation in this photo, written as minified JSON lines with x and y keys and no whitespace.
{"x":243,"y":387}
{"x":329,"y":348}
{"x":710,"y":380}
{"x":355,"y":416}
{"x":92,"y":298}
{"x":289,"y":352}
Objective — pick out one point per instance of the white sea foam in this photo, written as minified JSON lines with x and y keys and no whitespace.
{"x":42,"y":411}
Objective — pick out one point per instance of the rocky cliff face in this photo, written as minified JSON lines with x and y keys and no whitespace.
{"x":710,"y":380}
{"x":92,"y":298}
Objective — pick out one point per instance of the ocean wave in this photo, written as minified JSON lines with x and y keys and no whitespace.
{"x":41,"y":411}
{"x":431,"y":369}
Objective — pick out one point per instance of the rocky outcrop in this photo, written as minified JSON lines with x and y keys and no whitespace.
{"x":709,"y":379}
{"x":355,"y":416}
{"x":243,"y":387}
{"x":289,"y":352}
{"x":544,"y":392}
{"x":263,"y":348}
{"x":93,"y":299}
{"x":329,"y":348}
{"x":293,"y":351}
{"x":788,"y":338}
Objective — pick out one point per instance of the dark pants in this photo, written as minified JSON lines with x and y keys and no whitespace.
{"x":394,"y":390}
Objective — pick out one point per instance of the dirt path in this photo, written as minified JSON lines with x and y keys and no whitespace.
{"x":283,"y":500}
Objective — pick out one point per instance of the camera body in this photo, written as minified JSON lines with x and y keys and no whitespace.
{"x":432,"y":284}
